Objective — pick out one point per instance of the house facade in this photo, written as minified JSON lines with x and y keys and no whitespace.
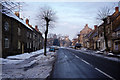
{"x":110,"y":28}
{"x":83,"y":33}
{"x":18,"y":36}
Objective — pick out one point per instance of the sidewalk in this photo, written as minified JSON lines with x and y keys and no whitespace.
{"x":35,"y":66}
{"x":103,"y":55}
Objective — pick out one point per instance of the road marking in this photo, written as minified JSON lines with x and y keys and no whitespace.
{"x":105,"y":74}
{"x":82,"y":60}
{"x":85,"y":62}
{"x":95,"y":68}
{"x":76,"y":56}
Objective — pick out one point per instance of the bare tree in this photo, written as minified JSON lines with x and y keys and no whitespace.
{"x":12,"y":6}
{"x":103,"y":13}
{"x":47,"y":18}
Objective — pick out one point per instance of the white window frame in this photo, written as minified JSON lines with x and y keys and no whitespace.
{"x":30,"y":45}
{"x":27,"y":44}
{"x":19,"y":31}
{"x":6,"y":43}
{"x":6,"y":25}
{"x":19,"y":45}
{"x":30,"y":35}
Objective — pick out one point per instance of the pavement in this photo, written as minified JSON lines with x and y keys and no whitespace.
{"x":73,"y":64}
{"x":35,"y":67}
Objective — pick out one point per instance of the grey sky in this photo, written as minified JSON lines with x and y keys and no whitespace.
{"x":72,"y":16}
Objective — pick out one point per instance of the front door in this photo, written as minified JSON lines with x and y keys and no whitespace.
{"x":22,"y":48}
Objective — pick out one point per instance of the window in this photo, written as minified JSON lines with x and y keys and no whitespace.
{"x":6,"y":26}
{"x":30,"y":35}
{"x":109,"y":43}
{"x":33,"y":43}
{"x":118,"y":33}
{"x":27,"y":34}
{"x":108,"y":30}
{"x":6,"y":43}
{"x":27,"y":44}
{"x":30,"y":45}
{"x":108,"y":20}
{"x":19,"y":45}
{"x":115,"y":46}
{"x":34,"y":36}
{"x":19,"y":31}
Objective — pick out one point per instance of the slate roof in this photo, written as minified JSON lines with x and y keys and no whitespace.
{"x":9,"y":13}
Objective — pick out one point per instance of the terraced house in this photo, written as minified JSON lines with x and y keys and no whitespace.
{"x":96,"y":40}
{"x":17,"y":36}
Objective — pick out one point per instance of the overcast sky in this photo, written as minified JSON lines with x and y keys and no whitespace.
{"x":72,"y":16}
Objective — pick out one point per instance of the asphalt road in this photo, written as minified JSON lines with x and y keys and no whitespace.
{"x":73,"y":64}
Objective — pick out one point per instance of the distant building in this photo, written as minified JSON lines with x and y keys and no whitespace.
{"x":17,"y":36}
{"x":67,"y":41}
{"x":90,"y":40}
{"x":83,"y":33}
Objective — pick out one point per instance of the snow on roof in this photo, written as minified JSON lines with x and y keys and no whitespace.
{"x":9,"y":13}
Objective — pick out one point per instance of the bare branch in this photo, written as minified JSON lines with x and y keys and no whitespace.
{"x":46,"y":14}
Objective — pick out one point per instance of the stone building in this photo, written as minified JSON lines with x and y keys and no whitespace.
{"x":112,"y":32}
{"x":17,"y":36}
{"x":83,"y":33}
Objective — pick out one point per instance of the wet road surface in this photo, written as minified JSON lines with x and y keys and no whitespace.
{"x":73,"y":64}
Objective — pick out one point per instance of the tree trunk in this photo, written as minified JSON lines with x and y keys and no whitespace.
{"x":106,"y":40}
{"x":45,"y":42}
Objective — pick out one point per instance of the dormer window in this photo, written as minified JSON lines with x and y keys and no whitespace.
{"x":6,"y":26}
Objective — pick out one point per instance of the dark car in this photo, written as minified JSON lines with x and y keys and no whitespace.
{"x":77,"y":45}
{"x":52,"y":49}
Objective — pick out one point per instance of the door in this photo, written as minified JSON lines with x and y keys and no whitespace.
{"x":22,"y":48}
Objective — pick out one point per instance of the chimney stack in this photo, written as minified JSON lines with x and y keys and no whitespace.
{"x":116,"y":9}
{"x":36,"y":28}
{"x":27,"y":21}
{"x":95,"y":27}
{"x":17,"y":14}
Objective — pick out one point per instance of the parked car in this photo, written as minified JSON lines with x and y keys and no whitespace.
{"x":56,"y":47}
{"x":77,"y":45}
{"x":71,"y":46}
{"x":52,"y":49}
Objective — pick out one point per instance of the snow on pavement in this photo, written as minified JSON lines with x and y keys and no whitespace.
{"x":26,"y":55}
{"x":21,"y":57}
{"x":40,"y":67}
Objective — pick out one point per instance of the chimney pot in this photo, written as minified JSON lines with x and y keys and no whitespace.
{"x":17,"y":14}
{"x":27,"y":21}
{"x":36,"y":27}
{"x":116,"y":9}
{"x":86,"y":25}
{"x":95,"y":27}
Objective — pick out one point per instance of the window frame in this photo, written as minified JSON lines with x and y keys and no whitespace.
{"x":6,"y":25}
{"x":6,"y":39}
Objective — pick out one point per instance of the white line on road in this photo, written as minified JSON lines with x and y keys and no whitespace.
{"x":76,"y":56}
{"x":85,"y":62}
{"x":105,"y":74}
{"x":95,"y":68}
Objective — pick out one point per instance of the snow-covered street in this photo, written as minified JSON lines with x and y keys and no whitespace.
{"x":28,"y":65}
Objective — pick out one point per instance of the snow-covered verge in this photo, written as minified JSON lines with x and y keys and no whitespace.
{"x":39,"y":67}
{"x":28,"y":65}
{"x":19,"y":58}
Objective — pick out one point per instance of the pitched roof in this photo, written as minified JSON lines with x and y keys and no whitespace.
{"x":9,"y":13}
